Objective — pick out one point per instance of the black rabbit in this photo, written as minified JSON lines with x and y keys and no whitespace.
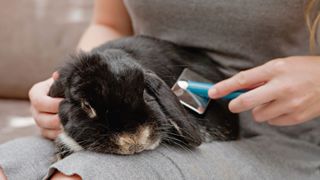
{"x":118,"y":99}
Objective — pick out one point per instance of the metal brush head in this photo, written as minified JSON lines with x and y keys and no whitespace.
{"x":194,"y":102}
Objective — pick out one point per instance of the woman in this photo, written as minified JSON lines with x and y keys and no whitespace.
{"x":238,"y":35}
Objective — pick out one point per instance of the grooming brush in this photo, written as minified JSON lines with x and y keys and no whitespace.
{"x":201,"y":89}
{"x":192,"y":101}
{"x":192,"y":91}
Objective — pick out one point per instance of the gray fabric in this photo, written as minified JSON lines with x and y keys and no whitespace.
{"x":238,"y":35}
{"x":262,"y":153}
{"x":26,"y":158}
{"x":260,"y":157}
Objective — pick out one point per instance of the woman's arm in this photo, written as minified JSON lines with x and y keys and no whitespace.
{"x":110,"y":21}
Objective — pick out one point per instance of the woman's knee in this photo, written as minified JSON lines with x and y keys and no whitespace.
{"x":2,"y":176}
{"x":60,"y":176}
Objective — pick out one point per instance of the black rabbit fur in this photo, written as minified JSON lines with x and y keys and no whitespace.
{"x":117,"y":99}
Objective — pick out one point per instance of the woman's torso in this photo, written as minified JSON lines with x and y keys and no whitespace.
{"x":237,"y":34}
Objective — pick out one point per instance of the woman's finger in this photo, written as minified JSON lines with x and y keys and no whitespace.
{"x":307,"y":113}
{"x":40,"y":100}
{"x":285,"y":120}
{"x":46,"y":120}
{"x":254,"y":98}
{"x":50,"y":134}
{"x":270,"y":110}
{"x":242,"y":80}
{"x":55,"y":75}
{"x":60,"y":176}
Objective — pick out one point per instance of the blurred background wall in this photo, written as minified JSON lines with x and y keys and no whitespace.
{"x":35,"y":38}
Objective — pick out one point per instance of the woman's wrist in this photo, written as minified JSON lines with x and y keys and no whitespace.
{"x":97,"y":34}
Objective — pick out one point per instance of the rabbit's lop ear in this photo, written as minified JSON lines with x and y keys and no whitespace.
{"x":57,"y":88}
{"x":74,"y":63}
{"x":183,"y":126}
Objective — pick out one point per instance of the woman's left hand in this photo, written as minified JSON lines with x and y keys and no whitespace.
{"x":287,"y":90}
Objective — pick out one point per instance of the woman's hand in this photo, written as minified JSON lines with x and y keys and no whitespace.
{"x":287,"y":90}
{"x":44,"y":108}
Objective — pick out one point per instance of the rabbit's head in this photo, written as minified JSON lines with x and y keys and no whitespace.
{"x":113,"y":105}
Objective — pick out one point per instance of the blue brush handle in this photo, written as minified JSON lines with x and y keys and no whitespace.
{"x":202,"y":88}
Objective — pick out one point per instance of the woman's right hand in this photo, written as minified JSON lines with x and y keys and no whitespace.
{"x":45,"y":108}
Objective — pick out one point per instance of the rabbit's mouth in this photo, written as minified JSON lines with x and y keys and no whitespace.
{"x":125,"y":143}
{"x":143,"y":139}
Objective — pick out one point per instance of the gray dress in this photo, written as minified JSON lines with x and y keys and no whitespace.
{"x":238,"y":35}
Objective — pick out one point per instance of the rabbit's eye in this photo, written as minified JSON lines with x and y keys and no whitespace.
{"x":88,"y":109}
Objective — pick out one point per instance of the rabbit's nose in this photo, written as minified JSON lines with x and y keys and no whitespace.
{"x":129,"y":146}
{"x":130,"y":143}
{"x":136,"y":148}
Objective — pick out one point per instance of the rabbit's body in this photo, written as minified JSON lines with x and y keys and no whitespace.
{"x":118,"y":99}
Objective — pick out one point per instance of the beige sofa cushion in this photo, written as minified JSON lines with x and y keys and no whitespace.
{"x":16,"y":120}
{"x":35,"y":37}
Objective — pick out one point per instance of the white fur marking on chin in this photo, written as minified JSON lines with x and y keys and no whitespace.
{"x":71,"y":143}
{"x":154,"y":145}
{"x":139,"y":141}
{"x":144,"y":135}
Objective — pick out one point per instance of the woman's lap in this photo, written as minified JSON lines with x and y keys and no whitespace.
{"x":26,"y":158}
{"x":266,"y":157}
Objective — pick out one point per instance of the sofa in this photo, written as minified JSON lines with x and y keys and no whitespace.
{"x":36,"y":37}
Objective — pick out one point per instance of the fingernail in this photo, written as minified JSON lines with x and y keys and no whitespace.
{"x":233,"y":107}
{"x":55,"y":75}
{"x":212,"y":92}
